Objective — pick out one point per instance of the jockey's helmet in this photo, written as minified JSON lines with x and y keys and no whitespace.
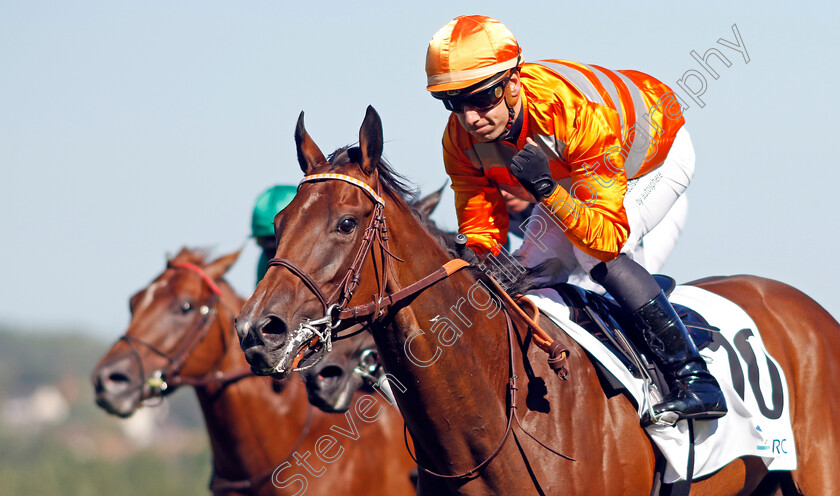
{"x":467,"y":52}
{"x":270,"y":202}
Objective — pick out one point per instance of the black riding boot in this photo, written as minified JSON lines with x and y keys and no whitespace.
{"x":695,"y":393}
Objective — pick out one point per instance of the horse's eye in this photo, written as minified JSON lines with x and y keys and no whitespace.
{"x":186,"y":307}
{"x":347,"y":225}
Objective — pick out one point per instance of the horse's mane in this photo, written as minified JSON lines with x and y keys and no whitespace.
{"x":399,"y":188}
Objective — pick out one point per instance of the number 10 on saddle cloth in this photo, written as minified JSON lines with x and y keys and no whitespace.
{"x":758,"y":422}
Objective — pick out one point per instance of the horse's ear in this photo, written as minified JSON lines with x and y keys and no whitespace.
{"x":426,"y":205}
{"x":183,"y":252}
{"x":218,"y":267}
{"x":309,"y":155}
{"x":370,"y":141}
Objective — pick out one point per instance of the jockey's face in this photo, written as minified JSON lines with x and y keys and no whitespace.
{"x":487,"y":125}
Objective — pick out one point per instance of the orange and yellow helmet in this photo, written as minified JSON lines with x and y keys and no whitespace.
{"x":467,"y":51}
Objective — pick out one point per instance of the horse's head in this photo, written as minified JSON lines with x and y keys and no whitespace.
{"x":173,"y":334}
{"x":353,"y":362}
{"x":332,"y":248}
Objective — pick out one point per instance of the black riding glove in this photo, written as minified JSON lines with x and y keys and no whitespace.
{"x":530,"y":168}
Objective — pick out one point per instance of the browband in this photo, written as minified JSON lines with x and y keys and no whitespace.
{"x":350,"y":179}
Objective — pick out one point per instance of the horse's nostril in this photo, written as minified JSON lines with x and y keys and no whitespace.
{"x":118,"y":378}
{"x":330,"y":372}
{"x":273,"y":326}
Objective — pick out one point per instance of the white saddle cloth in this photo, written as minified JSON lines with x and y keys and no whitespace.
{"x":758,"y":421}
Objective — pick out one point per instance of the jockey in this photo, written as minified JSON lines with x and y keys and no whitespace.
{"x":604,"y":154}
{"x":269,"y":202}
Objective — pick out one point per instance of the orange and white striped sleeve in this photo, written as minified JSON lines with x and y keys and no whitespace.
{"x":592,"y":210}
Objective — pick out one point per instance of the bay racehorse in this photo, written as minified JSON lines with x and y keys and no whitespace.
{"x":353,"y":364}
{"x":181,"y":333}
{"x":480,"y":395}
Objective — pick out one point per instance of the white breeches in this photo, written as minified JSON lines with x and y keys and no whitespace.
{"x":656,"y":208}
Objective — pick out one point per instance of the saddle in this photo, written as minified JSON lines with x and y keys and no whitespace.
{"x":620,"y":357}
{"x":602,"y":317}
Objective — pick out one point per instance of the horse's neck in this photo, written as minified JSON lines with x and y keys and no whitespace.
{"x":470,"y":370}
{"x":411,"y":242}
{"x":456,"y":405}
{"x":251,"y":427}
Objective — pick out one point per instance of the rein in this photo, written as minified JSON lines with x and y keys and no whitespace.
{"x":511,"y":414}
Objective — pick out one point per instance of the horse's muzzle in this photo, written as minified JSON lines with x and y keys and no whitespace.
{"x":330,"y":386}
{"x":261,"y":341}
{"x":116,"y":388}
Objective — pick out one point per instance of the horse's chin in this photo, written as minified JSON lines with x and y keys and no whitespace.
{"x":276,"y":363}
{"x":122,"y":407}
{"x":270,"y":372}
{"x":336,"y":404}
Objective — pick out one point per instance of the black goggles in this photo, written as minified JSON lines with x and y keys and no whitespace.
{"x":481,"y":100}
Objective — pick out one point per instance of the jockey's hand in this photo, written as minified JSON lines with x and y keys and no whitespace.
{"x":530,"y":168}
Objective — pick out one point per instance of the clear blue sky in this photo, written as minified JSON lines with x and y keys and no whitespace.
{"x":129,"y":129}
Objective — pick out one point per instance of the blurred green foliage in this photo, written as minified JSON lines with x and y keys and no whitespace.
{"x":86,"y":453}
{"x":44,"y":467}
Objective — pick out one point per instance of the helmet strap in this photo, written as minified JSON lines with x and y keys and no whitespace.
{"x":510,"y":120}
{"x":506,"y":135}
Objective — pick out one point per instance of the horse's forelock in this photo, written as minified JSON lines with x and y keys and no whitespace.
{"x":196,"y":256}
